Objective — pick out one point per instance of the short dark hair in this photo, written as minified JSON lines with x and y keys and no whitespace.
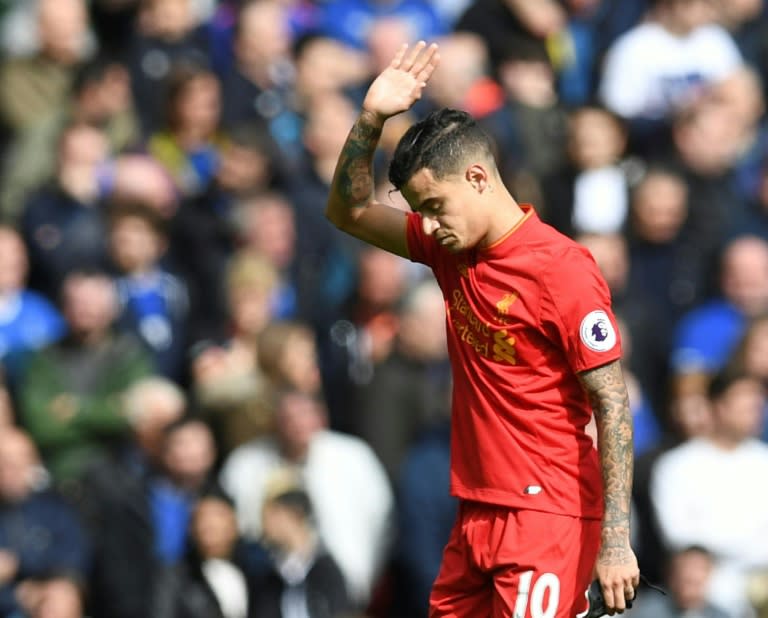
{"x":125,"y":209}
{"x":723,"y":380}
{"x":441,"y":142}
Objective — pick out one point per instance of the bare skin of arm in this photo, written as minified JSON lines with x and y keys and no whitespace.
{"x":616,"y":565}
{"x":351,"y":205}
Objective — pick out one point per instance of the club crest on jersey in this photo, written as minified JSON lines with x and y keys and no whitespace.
{"x":597,"y":332}
{"x":506,"y":302}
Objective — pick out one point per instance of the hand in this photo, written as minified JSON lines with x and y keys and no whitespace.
{"x":399,"y":85}
{"x":619,"y":576}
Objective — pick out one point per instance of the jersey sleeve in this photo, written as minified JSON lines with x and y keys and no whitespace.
{"x":576,"y":311}
{"x":421,"y":248}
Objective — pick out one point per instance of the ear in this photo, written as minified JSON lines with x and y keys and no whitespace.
{"x":477,"y":175}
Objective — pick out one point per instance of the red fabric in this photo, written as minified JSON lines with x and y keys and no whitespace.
{"x":510,"y":563}
{"x":521,"y":317}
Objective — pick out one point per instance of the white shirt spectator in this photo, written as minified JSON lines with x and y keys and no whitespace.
{"x":708,"y":496}
{"x":350,"y":494}
{"x":649,"y":71}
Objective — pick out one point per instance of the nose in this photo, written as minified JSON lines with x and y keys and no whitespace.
{"x":429,"y":225}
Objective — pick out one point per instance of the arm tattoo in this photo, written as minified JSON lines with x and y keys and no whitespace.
{"x":354,"y":174}
{"x":608,"y":397}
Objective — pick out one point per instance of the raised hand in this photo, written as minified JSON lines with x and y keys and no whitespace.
{"x":400,"y":85}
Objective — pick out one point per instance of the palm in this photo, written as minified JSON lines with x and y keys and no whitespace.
{"x":400,"y":85}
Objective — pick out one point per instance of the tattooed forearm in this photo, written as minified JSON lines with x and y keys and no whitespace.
{"x":353,"y":181}
{"x":608,"y":396}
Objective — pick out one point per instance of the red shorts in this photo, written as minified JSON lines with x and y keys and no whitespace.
{"x":512,"y":563}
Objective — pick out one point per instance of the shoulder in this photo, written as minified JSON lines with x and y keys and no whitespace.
{"x":713,"y":34}
{"x":636,"y":39}
{"x":714,"y":314}
{"x":342,"y":444}
{"x":259,"y":449}
{"x":682,"y":456}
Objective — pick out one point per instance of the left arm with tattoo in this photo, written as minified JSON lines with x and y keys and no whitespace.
{"x":616,"y":566}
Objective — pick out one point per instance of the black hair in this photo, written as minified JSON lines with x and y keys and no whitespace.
{"x":91,"y":72}
{"x":440,"y":142}
{"x":725,"y":379}
{"x":296,"y":500}
{"x":123,"y":209}
{"x":524,"y":48}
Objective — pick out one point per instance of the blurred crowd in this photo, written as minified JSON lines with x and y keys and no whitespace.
{"x":213,"y":404}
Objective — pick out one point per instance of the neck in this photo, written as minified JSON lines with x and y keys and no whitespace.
{"x":506,"y":214}
{"x":726,"y":442}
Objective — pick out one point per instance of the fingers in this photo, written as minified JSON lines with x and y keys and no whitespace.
{"x":426,"y":62}
{"x":618,"y":596}
{"x":410,"y":58}
{"x":398,"y":59}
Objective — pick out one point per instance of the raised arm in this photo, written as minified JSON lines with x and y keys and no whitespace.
{"x":351,"y":205}
{"x":616,"y":565}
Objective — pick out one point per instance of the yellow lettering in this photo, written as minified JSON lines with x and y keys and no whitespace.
{"x":476,"y":333}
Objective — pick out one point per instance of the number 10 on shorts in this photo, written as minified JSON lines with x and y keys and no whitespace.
{"x":534,"y":595}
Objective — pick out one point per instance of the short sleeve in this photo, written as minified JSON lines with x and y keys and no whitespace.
{"x":576,"y":311}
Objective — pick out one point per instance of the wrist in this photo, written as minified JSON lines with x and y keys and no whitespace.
{"x":372,"y":119}
{"x":615,"y":533}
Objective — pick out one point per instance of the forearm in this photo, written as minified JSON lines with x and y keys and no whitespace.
{"x":353,"y":181}
{"x":610,"y":404}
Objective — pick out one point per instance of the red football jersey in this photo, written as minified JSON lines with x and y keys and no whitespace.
{"x":523,"y":317}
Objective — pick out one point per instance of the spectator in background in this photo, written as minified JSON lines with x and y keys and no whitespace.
{"x":142,"y":538}
{"x":688,"y":573}
{"x":705,"y":337}
{"x":590,"y":192}
{"x":227,"y":382}
{"x":500,"y":23}
{"x":100,"y":96}
{"x":117,"y":488}
{"x":740,"y":97}
{"x":325,"y":65}
{"x":406,"y":392}
{"x":747,"y":21}
{"x":35,"y":86}
{"x":166,"y":34}
{"x":464,"y":81}
{"x":325,"y":259}
{"x":667,"y":264}
{"x":266,"y":228}
{"x":153,"y":302}
{"x":287,"y":353}
{"x":62,"y":223}
{"x":707,"y":145}
{"x":188,"y":143}
{"x":702,"y":491}
{"x":69,"y":393}
{"x":258,"y":86}
{"x":531,"y":126}
{"x":28,"y":320}
{"x":347,"y":485}
{"x":216,"y":580}
{"x":664,"y":64}
{"x":41,"y":538}
{"x":303,"y":574}
{"x":426,"y":513}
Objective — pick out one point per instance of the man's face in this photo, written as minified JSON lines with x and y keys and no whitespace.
{"x":448,"y":209}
